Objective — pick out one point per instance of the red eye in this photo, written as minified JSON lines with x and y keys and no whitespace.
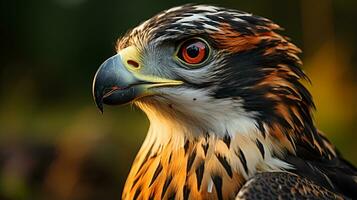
{"x":193,"y":51}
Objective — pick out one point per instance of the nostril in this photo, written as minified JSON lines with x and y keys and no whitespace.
{"x":133,"y":63}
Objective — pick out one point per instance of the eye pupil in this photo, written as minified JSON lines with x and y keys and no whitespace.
{"x":193,"y":51}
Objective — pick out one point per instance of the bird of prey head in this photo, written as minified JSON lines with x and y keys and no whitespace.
{"x":222,"y":91}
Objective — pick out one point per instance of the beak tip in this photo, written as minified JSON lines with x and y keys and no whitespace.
{"x":99,"y":105}
{"x":101,"y":110}
{"x":98,"y":99}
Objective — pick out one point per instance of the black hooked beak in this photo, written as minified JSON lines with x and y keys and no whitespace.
{"x":115,"y":84}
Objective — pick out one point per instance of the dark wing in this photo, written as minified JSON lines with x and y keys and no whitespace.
{"x":336,"y":174}
{"x":283,"y":185}
{"x":332,"y":172}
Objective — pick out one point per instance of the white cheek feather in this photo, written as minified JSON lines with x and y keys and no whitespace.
{"x":220,"y":116}
{"x":185,"y":113}
{"x":198,"y":112}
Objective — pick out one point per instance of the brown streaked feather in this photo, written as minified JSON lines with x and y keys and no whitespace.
{"x":284,"y":185}
{"x":261,"y":71}
{"x":189,"y":175}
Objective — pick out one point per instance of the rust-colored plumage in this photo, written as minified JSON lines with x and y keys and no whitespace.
{"x":241,"y":116}
{"x":191,"y":171}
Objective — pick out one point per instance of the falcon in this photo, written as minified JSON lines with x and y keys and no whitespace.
{"x":229,"y":116}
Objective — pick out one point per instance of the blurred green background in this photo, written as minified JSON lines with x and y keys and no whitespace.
{"x":54,"y":143}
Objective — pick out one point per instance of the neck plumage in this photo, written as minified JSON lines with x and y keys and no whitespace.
{"x":181,"y":159}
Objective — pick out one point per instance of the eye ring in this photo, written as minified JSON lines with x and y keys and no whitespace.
{"x":193,"y":52}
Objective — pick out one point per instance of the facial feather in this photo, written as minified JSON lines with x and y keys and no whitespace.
{"x":237,"y":115}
